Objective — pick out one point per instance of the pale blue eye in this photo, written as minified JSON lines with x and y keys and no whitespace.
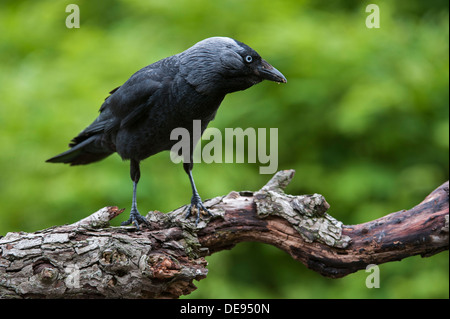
{"x":248,"y":59}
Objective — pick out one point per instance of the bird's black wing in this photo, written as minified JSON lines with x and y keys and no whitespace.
{"x":136,"y":97}
{"x":127,"y":103}
{"x":112,"y":91}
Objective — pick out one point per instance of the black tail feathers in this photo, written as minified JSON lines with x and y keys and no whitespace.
{"x":80,"y":154}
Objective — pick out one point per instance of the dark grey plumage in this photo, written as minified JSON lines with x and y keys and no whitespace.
{"x":137,"y":118}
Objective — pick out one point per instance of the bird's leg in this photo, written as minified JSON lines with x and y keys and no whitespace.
{"x":196,"y":201}
{"x":135,"y":216}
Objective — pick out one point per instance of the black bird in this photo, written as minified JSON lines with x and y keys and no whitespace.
{"x":136,"y":119}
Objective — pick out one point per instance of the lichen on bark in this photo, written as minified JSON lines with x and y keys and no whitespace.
{"x":306,"y":213}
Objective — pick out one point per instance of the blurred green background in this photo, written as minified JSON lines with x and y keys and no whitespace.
{"x":363,"y":119}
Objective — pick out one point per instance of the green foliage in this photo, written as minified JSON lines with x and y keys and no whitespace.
{"x":363,"y":119}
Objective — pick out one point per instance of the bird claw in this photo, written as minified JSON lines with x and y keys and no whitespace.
{"x":136,"y":219}
{"x":197,"y":203}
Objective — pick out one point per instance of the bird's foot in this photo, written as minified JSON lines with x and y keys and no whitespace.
{"x":136,"y":219}
{"x":196,"y":202}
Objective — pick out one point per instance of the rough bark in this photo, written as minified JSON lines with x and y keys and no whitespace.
{"x":90,"y":259}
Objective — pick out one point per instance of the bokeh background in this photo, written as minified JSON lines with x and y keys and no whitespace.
{"x":363,"y":119}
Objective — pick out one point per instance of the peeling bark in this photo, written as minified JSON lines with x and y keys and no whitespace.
{"x":90,"y":259}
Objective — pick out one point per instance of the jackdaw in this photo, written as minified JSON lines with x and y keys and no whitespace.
{"x":137,"y":118}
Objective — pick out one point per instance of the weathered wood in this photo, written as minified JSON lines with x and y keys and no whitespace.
{"x":89,"y":259}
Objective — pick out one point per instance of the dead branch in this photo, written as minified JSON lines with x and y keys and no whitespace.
{"x":90,"y":259}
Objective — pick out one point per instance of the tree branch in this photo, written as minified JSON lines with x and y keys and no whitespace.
{"x":89,"y":259}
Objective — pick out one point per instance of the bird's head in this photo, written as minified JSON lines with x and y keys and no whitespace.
{"x":225,"y":65}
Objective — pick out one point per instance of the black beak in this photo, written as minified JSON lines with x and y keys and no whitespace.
{"x":268,"y":72}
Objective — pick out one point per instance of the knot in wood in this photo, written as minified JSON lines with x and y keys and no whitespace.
{"x":45,"y":271}
{"x":114,"y":260}
{"x":159,"y":266}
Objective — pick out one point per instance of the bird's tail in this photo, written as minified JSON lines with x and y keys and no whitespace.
{"x":83,"y":152}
